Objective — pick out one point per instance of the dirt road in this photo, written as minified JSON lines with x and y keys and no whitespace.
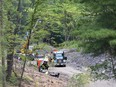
{"x":68,"y":71}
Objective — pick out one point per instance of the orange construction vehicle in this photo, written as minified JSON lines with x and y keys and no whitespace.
{"x":42,"y":63}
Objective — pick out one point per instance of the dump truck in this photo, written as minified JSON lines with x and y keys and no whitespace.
{"x":59,"y":58}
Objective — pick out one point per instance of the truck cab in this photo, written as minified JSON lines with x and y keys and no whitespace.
{"x":59,"y":58}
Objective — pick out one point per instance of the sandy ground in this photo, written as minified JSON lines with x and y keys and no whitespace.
{"x":103,"y":83}
{"x":69,"y":71}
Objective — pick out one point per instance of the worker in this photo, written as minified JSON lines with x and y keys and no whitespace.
{"x":42,"y":65}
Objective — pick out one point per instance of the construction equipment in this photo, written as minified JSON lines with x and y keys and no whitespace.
{"x":59,"y":58}
{"x":42,"y":64}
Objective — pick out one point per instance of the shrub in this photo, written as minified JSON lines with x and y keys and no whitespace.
{"x":79,"y":80}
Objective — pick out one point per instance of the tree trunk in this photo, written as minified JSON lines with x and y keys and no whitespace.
{"x":2,"y":56}
{"x":9,"y":65}
{"x":3,"y":71}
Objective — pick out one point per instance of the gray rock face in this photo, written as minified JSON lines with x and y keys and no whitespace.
{"x":77,"y":59}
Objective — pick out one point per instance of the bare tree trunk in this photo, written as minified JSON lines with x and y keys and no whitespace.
{"x":3,"y":72}
{"x":1,"y":45}
{"x":9,"y":64}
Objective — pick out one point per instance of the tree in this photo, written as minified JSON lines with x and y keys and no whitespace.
{"x":98,"y":35}
{"x":58,"y":18}
{"x":30,"y":29}
{"x":2,"y":55}
{"x":11,"y":33}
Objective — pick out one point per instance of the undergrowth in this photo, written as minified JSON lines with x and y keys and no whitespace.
{"x":70,"y":45}
{"x":11,"y":83}
{"x":79,"y":80}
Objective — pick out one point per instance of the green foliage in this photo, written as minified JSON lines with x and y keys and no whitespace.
{"x":113,"y":43}
{"x":40,"y":46}
{"x":70,"y":44}
{"x":13,"y":80}
{"x":43,"y":46}
{"x":97,"y":41}
{"x":79,"y":80}
{"x":39,"y":35}
{"x":58,"y":18}
{"x":65,"y":23}
{"x":99,"y":71}
{"x":26,"y":57}
{"x":97,"y":32}
{"x":23,"y":57}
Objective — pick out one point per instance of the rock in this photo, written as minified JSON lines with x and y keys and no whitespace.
{"x":77,"y":59}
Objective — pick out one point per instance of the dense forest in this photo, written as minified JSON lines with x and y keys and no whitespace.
{"x":88,"y":25}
